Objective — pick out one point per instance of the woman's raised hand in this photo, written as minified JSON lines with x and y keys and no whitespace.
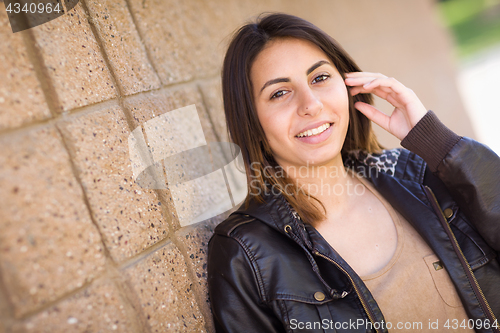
{"x":408,"y":109}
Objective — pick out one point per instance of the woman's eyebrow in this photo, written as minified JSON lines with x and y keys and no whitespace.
{"x":316,"y":65}
{"x":273,"y":81}
{"x":284,"y":79}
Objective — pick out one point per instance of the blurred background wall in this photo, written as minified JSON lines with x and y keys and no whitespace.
{"x":82,"y":247}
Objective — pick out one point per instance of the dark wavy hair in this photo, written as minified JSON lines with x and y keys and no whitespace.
{"x":243,"y":124}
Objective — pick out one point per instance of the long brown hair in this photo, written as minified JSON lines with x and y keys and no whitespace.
{"x":263,"y":172}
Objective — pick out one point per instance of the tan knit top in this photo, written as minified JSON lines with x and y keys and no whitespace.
{"x":414,"y":290}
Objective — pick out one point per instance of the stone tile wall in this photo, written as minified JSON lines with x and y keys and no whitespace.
{"x":83,"y":247}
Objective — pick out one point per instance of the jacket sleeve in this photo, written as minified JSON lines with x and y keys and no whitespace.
{"x":469,"y":169}
{"x":234,"y":290}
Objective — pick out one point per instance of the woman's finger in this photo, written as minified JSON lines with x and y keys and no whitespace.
{"x":361,"y":74}
{"x":387,"y":88}
{"x":359,"y":81}
{"x":375,"y":115}
{"x":387,"y":82}
{"x":380,"y":91}
{"x":356,"y":90}
{"x":371,"y":82}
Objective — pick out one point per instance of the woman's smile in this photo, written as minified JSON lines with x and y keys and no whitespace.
{"x":316,"y":135}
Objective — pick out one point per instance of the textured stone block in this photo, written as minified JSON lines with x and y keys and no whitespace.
{"x":235,"y":171}
{"x":183,"y":37}
{"x":128,"y":216}
{"x":48,"y":244}
{"x":195,"y":239}
{"x":212,"y":95}
{"x":74,"y":61}
{"x":21,"y":96}
{"x":166,"y":292}
{"x":176,"y":139}
{"x":145,"y":108}
{"x":174,"y":132}
{"x":123,"y":46}
{"x":201,"y":198}
{"x":5,"y":310}
{"x":98,"y":308}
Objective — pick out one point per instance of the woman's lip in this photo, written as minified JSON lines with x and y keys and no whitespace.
{"x":315,"y":125}
{"x":318,"y":137}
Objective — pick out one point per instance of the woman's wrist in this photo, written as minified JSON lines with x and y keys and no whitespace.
{"x":430,"y":139}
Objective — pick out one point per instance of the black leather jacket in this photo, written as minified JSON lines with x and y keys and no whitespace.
{"x":269,"y":272}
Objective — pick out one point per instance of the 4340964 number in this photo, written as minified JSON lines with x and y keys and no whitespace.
{"x":33,"y":8}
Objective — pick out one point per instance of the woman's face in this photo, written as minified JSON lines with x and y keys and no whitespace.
{"x":302,"y":103}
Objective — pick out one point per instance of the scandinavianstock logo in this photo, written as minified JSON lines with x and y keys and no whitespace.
{"x":170,"y":151}
{"x":26,"y":14}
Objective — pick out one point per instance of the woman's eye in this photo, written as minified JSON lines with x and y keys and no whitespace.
{"x":320,"y":78}
{"x":278,"y":94}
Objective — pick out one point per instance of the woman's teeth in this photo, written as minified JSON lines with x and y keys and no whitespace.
{"x":314,"y":131}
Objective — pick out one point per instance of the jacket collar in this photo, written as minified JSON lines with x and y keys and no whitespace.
{"x":386,"y":171}
{"x":275,"y":210}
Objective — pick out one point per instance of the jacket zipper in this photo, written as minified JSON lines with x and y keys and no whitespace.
{"x":470,"y":275}
{"x":368,"y":310}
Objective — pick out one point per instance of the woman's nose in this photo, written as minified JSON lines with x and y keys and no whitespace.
{"x":309,"y":104}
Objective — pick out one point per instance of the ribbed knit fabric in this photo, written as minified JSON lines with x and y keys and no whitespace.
{"x":431,"y":140}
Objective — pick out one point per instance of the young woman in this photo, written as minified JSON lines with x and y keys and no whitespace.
{"x":337,"y":234}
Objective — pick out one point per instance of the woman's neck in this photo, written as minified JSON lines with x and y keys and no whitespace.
{"x":330,"y":184}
